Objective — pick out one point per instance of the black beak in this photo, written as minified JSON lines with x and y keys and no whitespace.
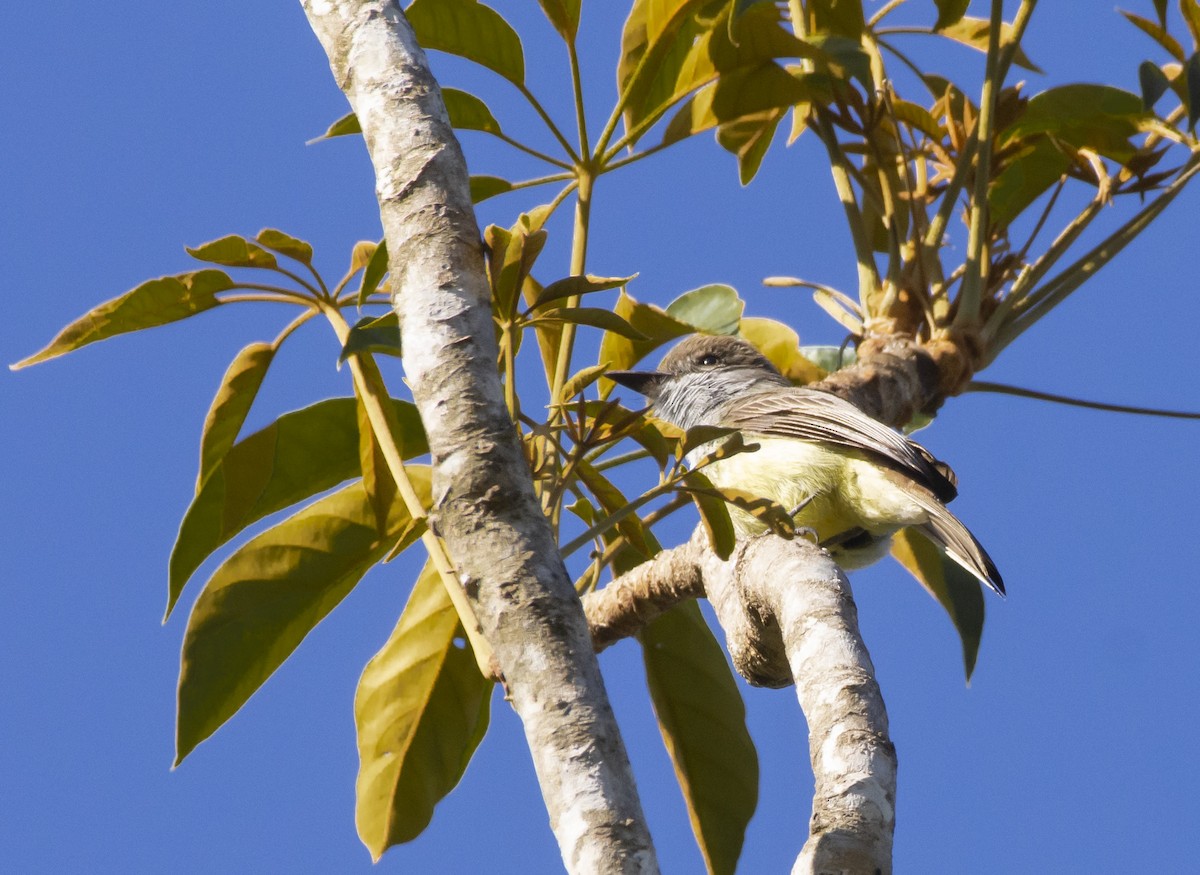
{"x":645,"y":383}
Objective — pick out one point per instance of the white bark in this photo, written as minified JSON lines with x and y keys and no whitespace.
{"x":484,"y":503}
{"x":789,"y":618}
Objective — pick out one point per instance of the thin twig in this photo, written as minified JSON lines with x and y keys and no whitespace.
{"x":1003,"y":389}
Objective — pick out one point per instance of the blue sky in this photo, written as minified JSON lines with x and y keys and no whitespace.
{"x":132,"y":135}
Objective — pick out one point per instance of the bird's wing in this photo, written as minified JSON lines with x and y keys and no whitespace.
{"x":809,"y":415}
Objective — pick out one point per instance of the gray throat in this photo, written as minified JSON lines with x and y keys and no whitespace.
{"x":700,"y":398}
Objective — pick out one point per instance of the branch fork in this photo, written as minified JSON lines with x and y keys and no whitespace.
{"x":789,"y":619}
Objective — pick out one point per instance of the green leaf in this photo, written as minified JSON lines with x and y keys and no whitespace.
{"x":581,"y":380}
{"x":714,"y":514}
{"x":585,"y":510}
{"x":703,"y":723}
{"x":535,"y":219}
{"x":232,"y":403}
{"x":511,"y":255}
{"x":470,"y":30}
{"x":373,"y":334}
{"x":606,"y":320}
{"x":286,"y":244}
{"x":1154,"y":83}
{"x":153,"y":303}
{"x":360,"y":255}
{"x":734,"y":69}
{"x":845,"y":58}
{"x":578,"y":285}
{"x":919,"y":118}
{"x":830,"y":358}
{"x":737,"y":11}
{"x":842,"y":17}
{"x":974,"y":32}
{"x":761,"y":40}
{"x":346,"y":125}
{"x":950,"y":12}
{"x":715,"y":309}
{"x":768,"y":514}
{"x":373,"y":273}
{"x":751,"y":94}
{"x":484,"y":187}
{"x":377,"y":480}
{"x":748,"y":139}
{"x":232,"y":250}
{"x":1158,"y":33}
{"x":564,"y":15}
{"x":1097,"y":117}
{"x":800,"y":118}
{"x":261,"y":603}
{"x":421,"y":709}
{"x":468,"y":113}
{"x":655,"y":42}
{"x":948,"y":582}
{"x":651,"y":438}
{"x":1190,"y":9}
{"x":613,"y":502}
{"x":1027,"y":174}
{"x":620,"y":352}
{"x":549,"y":334}
{"x":1191,"y":72}
{"x":780,"y":344}
{"x":1160,"y":6}
{"x":699,"y":435}
{"x":299,"y":455}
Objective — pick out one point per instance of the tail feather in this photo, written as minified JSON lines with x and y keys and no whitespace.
{"x":948,"y":532}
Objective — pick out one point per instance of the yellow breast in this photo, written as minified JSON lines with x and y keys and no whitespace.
{"x":843,"y":490}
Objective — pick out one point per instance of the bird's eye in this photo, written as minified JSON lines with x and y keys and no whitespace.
{"x":708,"y":360}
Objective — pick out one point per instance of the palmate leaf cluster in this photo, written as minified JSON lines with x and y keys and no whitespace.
{"x":911,"y":170}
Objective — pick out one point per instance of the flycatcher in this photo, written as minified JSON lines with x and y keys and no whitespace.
{"x":855,"y":481}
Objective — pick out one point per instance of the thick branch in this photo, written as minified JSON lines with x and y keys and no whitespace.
{"x":778,"y":598}
{"x":484,"y":503}
{"x":895,"y":377}
{"x":635,"y":599}
{"x":789,"y":618}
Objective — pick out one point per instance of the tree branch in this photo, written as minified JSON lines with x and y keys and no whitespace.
{"x":788,"y":613}
{"x":638,"y":597}
{"x":484,"y":503}
{"x":789,"y":618}
{"x":894,"y":377}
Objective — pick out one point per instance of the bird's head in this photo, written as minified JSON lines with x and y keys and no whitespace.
{"x":699,"y":376}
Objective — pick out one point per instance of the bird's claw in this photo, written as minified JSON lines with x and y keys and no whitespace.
{"x":810,"y":533}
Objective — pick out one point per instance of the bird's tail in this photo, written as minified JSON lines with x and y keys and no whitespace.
{"x":948,"y":532}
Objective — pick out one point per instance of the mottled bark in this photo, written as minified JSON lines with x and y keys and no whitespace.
{"x":630,"y":603}
{"x":789,"y":618}
{"x":484,"y":503}
{"x":788,"y":614}
{"x":896,"y":378}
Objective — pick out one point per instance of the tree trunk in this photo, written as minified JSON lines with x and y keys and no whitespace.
{"x":484,"y":504}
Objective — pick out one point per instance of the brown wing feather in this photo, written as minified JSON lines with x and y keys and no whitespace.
{"x":809,"y":415}
{"x":948,"y":532}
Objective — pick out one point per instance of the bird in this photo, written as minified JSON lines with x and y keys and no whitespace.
{"x":852,"y":480}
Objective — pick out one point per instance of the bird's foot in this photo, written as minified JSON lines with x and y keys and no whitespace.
{"x":809,"y":533}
